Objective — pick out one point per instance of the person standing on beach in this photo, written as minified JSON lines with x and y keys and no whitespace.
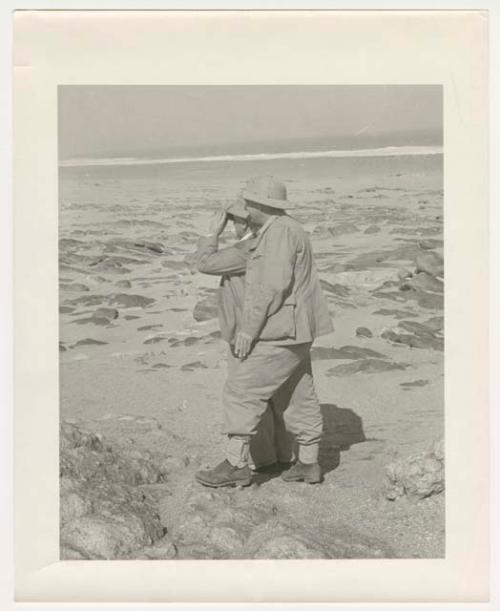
{"x":284,"y":310}
{"x":271,"y":446}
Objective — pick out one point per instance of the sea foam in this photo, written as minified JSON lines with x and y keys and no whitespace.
{"x":388,"y":151}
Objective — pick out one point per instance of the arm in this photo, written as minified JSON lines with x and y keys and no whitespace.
{"x":228,"y":261}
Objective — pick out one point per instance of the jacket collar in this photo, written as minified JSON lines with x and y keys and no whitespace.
{"x":262,"y":231}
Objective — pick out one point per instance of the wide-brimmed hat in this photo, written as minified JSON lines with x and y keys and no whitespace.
{"x":267,"y":191}
{"x":237,"y":208}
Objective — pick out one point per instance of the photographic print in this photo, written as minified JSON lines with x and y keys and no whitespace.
{"x":251,"y":324}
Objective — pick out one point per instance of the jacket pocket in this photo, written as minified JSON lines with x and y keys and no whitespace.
{"x":280,"y":325}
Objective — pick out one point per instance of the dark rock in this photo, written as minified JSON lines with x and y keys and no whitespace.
{"x":87,"y":300}
{"x":110,"y":265}
{"x":149,"y":327}
{"x":366,"y":261}
{"x":414,"y":384}
{"x":193,"y":366}
{"x":416,"y":327}
{"x":430,"y":244}
{"x":394,"y":313}
{"x":391,"y":295}
{"x":155,"y":340}
{"x":66,"y":309}
{"x":345,"y":352}
{"x":335,"y":289}
{"x":436,"y":323}
{"x":75,"y":287}
{"x":62,"y":347}
{"x":406,"y":252}
{"x":430,"y":301}
{"x":417,"y":477}
{"x":431,"y":263}
{"x":372,"y":229}
{"x":342,"y":229}
{"x":70,"y":244}
{"x":130,"y":301}
{"x":365,"y":366}
{"x":88,"y":341}
{"x":389,"y":284}
{"x":123,"y":284}
{"x":152,"y":246}
{"x":363,"y":332}
{"x":414,"y":341}
{"x":189,"y":235}
{"x":423,"y":282}
{"x":206,"y":309}
{"x":107,"y":313}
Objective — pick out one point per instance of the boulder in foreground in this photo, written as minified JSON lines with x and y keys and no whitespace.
{"x":104,"y":514}
{"x":416,"y":477}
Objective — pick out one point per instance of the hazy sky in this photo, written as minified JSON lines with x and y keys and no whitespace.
{"x":135,"y":120}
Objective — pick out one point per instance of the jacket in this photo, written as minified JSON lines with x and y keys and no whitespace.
{"x":229,"y":263}
{"x":283,"y":300}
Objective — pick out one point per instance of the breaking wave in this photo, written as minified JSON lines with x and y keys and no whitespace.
{"x":388,"y":151}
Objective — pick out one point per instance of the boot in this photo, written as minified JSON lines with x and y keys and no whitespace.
{"x":301,"y":472}
{"x":224,"y":474}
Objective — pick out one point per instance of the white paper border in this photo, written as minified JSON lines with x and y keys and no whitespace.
{"x":472,"y":159}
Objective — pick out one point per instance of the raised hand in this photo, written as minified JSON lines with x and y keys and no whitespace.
{"x":217,"y":222}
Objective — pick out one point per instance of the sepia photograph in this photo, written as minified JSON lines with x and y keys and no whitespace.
{"x":251,"y":325}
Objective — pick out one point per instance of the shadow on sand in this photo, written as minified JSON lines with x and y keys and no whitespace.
{"x":342,"y":428}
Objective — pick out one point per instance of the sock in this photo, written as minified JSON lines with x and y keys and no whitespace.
{"x":237,"y":451}
{"x":309,"y":454}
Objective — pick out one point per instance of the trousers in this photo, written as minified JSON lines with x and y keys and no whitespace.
{"x":272,"y":442}
{"x":282,"y":374}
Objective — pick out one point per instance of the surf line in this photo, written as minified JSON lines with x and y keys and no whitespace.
{"x":389,"y":151}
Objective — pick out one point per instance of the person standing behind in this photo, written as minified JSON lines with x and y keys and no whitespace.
{"x":272,"y":446}
{"x":284,"y":310}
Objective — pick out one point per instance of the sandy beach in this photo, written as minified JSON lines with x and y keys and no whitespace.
{"x":137,"y":368}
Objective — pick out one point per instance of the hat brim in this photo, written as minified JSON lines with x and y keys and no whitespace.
{"x":237,"y":209}
{"x":281,"y":204}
